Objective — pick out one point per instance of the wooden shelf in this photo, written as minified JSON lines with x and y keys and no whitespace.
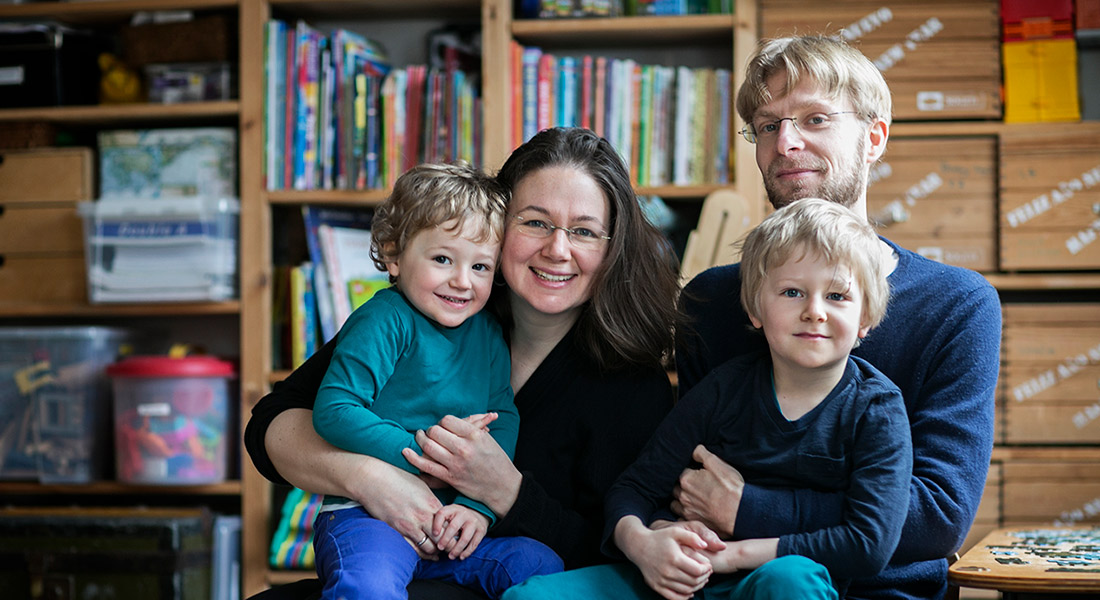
{"x":378,"y":9}
{"x":110,"y":114}
{"x":104,"y":10}
{"x":279,"y":577}
{"x":1044,"y":281}
{"x":948,"y":128}
{"x":331,"y":197}
{"x":1052,"y":453}
{"x":112,"y":488}
{"x":693,"y":29}
{"x":173,"y":309}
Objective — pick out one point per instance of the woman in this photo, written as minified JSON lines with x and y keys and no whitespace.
{"x":588,"y":303}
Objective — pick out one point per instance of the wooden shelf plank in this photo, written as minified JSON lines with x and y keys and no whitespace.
{"x":333,"y":197}
{"x":1053,"y":453}
{"x":107,"y":114}
{"x":377,"y":9}
{"x":1044,"y":281}
{"x":648,"y":30}
{"x":112,"y":488}
{"x":230,"y":307}
{"x":947,"y":128}
{"x":103,"y":10}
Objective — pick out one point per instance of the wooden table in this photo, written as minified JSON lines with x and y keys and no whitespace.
{"x":1037,"y":562}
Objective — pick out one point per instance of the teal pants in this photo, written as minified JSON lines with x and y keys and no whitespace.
{"x":782,"y":578}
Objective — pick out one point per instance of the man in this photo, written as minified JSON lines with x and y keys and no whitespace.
{"x":819,"y":114}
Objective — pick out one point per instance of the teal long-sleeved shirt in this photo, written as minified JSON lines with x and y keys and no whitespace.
{"x":395,"y":371}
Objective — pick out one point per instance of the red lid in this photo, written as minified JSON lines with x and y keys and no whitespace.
{"x":163,"y":366}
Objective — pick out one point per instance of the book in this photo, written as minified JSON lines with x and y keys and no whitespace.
{"x":353,"y":276}
{"x":312,"y":218}
{"x":303,"y":314}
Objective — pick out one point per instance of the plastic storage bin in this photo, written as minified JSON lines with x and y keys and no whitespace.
{"x":55,"y":402}
{"x":171,"y":419}
{"x":168,"y":250}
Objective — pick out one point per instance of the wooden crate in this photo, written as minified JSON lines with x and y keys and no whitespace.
{"x":46,"y":175}
{"x":1049,"y":491}
{"x":940,"y":57}
{"x":1050,"y":191}
{"x":938,"y":198}
{"x":1050,"y":378}
{"x":988,"y":516}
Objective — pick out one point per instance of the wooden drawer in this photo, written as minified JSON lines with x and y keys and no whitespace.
{"x":46,"y":175}
{"x":1050,"y":200}
{"x":941,"y":58}
{"x":40,"y":228}
{"x":1052,"y":491}
{"x":43,"y":279}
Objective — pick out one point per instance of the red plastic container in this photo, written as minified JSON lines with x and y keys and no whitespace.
{"x":171,"y":419}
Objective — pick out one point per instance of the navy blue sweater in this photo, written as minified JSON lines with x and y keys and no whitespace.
{"x":940,"y":343}
{"x":854,"y":443}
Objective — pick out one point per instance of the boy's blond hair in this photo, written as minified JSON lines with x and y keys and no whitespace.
{"x":430,"y":195}
{"x":817,"y":226}
{"x":838,"y":70}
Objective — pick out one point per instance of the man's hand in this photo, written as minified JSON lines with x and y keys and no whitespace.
{"x":711,"y":494}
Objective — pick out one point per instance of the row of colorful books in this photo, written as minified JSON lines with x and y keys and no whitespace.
{"x":529,"y":9}
{"x":670,"y":124}
{"x":314,"y":298}
{"x":339,"y":116}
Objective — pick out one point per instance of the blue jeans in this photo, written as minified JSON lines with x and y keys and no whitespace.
{"x":781,"y":578}
{"x":359,"y":556}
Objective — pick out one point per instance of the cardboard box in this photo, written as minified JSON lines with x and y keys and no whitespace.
{"x":1050,"y":190}
{"x":1051,"y":492}
{"x":152,"y":554}
{"x":43,"y":64}
{"x":940,"y":58}
{"x":1040,"y":81}
{"x":211,"y":38}
{"x":938,"y":197}
{"x":1050,"y":378}
{"x":149,"y":164}
{"x":46,"y":175}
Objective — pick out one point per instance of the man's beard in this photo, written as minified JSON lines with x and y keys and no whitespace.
{"x":845,"y":185}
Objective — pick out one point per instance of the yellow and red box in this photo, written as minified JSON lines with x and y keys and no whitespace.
{"x":1036,"y":19}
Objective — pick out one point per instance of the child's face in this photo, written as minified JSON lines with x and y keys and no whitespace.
{"x":811,"y":311}
{"x":444,"y":274}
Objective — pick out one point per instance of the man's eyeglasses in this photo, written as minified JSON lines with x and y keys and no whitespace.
{"x":580,"y":237}
{"x":768,"y":129}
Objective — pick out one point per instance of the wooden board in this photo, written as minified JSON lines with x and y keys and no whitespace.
{"x":46,"y":175}
{"x":1032,"y":560}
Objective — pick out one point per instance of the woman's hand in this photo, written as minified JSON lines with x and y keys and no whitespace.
{"x":463,"y":455}
{"x":670,"y":556}
{"x":390,"y":494}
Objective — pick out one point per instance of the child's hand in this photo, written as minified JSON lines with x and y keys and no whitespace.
{"x":458,"y":530}
{"x":481,"y":420}
{"x":743,"y":555}
{"x":670,"y":557}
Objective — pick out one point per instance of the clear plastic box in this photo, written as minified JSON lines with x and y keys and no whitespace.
{"x":165,"y":250}
{"x":172,"y":416}
{"x":55,"y":401}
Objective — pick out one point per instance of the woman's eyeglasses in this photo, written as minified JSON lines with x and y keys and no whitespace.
{"x":580,"y":237}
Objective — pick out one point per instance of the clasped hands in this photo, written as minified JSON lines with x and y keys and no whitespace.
{"x":457,"y":453}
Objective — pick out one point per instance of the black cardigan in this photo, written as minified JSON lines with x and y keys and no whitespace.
{"x":579,"y":429}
